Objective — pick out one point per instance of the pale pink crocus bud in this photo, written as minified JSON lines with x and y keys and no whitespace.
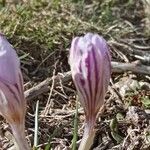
{"x":91,"y":69}
{"x":12,"y":101}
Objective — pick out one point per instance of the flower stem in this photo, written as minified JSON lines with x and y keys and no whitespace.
{"x":19,"y":135}
{"x":88,"y":137}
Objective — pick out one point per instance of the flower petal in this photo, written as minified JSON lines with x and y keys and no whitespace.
{"x":9,"y":62}
{"x":90,"y":67}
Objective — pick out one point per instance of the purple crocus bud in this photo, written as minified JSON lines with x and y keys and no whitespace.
{"x":12,"y":101}
{"x":91,"y":69}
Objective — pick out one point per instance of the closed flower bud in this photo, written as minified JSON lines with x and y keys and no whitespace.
{"x":91,"y":68}
{"x":12,"y":101}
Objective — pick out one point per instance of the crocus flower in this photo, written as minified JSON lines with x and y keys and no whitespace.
{"x":12,"y":101}
{"x":90,"y":64}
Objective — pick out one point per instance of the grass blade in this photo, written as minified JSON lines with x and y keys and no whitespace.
{"x":75,"y":132}
{"x":36,"y":126}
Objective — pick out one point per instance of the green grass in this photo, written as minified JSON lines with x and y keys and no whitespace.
{"x":75,"y":129}
{"x":36,"y":127}
{"x":51,"y":24}
{"x":40,"y":27}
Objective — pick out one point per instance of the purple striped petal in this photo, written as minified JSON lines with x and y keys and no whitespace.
{"x":12,"y":101}
{"x":90,"y":66}
{"x":9,"y":62}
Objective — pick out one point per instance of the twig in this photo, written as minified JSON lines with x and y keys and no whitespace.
{"x":48,"y":104}
{"x":44,"y":86}
{"x":135,"y":68}
{"x":129,"y":49}
{"x":117,"y":67}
